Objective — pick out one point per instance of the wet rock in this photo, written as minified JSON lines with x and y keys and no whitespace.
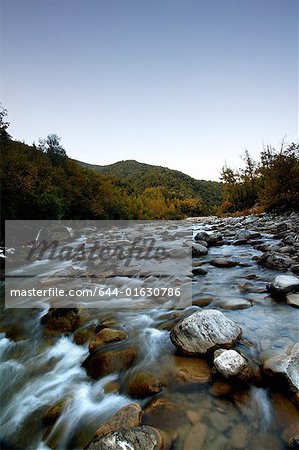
{"x":223,"y":262}
{"x":215,"y":238}
{"x":234,"y":303}
{"x":190,"y":371}
{"x":52,"y":413}
{"x":127,"y":417}
{"x":275,"y":261}
{"x":64,"y":320}
{"x":204,"y":331}
{"x":202,"y":300}
{"x":221,"y":389}
{"x":293,"y":300}
{"x":196,"y":437}
{"x":106,"y":336}
{"x":283,"y":284}
{"x":202,"y":236}
{"x":198,"y":250}
{"x":143,"y":384}
{"x":230,"y":363}
{"x":199,"y":271}
{"x":84,"y":335}
{"x":285,"y":411}
{"x":112,"y":387}
{"x":103,"y":363}
{"x":164,"y":414}
{"x":193,"y":416}
{"x":239,"y":437}
{"x":139,"y":438}
{"x":284,"y":369}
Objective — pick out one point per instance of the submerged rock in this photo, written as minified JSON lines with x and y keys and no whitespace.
{"x":224,"y":262}
{"x":143,"y":384}
{"x":293,"y":300}
{"x":198,"y":250}
{"x":234,"y":303}
{"x":185,"y":371}
{"x":106,"y":336}
{"x":204,"y":331}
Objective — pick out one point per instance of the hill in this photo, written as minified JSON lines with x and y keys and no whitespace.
{"x":137,"y":177}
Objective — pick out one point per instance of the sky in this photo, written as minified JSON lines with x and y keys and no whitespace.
{"x":179,"y":83}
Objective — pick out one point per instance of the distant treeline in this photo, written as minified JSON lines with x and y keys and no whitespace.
{"x":270,"y":184}
{"x":42,"y":182}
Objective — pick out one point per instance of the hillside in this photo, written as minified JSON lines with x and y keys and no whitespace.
{"x":138,"y":176}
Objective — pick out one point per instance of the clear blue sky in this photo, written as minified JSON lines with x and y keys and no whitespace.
{"x":184,"y":84}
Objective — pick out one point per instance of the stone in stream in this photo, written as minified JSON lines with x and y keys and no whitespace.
{"x":199,"y":271}
{"x":189,"y":371}
{"x":163,"y":413}
{"x":224,"y":262}
{"x":284,"y":369}
{"x":283,"y":284}
{"x":230,"y":363}
{"x":139,"y":438}
{"x":106,"y":336}
{"x":106,"y":362}
{"x":293,"y":300}
{"x":127,"y":417}
{"x":202,"y":236}
{"x":204,"y":331}
{"x":198,"y":250}
{"x":234,"y":303}
{"x":276,"y":261}
{"x":64,"y":320}
{"x":143,"y":384}
{"x":196,"y":437}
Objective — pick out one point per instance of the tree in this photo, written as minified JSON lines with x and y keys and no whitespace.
{"x":51,"y":146}
{"x":4,"y":136}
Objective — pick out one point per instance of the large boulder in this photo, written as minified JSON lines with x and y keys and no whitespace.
{"x":230,"y":363}
{"x":284,"y":369}
{"x":139,"y":438}
{"x":204,"y":331}
{"x":283,"y":284}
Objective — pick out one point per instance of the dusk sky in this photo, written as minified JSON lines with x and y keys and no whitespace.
{"x":184,"y":84}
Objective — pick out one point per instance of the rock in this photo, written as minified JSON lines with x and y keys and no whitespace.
{"x":221,"y":389}
{"x":293,"y":300}
{"x":275,"y":261}
{"x":239,"y":437}
{"x":283,"y":284}
{"x":215,"y":239}
{"x":284,"y":368}
{"x":103,"y":363}
{"x":190,"y":371}
{"x":112,"y":387}
{"x":140,"y":438}
{"x":163,"y":413}
{"x":199,"y":271}
{"x":223,"y":262}
{"x":202,"y":236}
{"x":52,"y":413}
{"x":291,"y":435}
{"x":198,"y":250}
{"x":202,"y":300}
{"x":83,"y":335}
{"x":196,"y":437}
{"x":64,"y":320}
{"x":230,"y":363}
{"x":285,"y":411}
{"x":204,"y":331}
{"x":193,"y":416}
{"x":143,"y":384}
{"x":106,"y":336}
{"x":234,"y":303}
{"x":127,"y":417}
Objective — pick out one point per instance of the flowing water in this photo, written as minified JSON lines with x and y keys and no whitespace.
{"x":39,"y":370}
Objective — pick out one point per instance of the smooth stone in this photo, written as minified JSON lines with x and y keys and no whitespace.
{"x":230,"y":363}
{"x":190,"y":370}
{"x":64,"y":320}
{"x":104,"y":363}
{"x":276,"y":261}
{"x":223,"y":262}
{"x":196,"y":437}
{"x":106,"y":336}
{"x":199,"y":271}
{"x":283,"y":284}
{"x":198,"y":250}
{"x":239,"y":437}
{"x":127,"y":417}
{"x":234,"y":303}
{"x":143,"y":384}
{"x":163,"y":413}
{"x":203,"y":331}
{"x":293,"y":300}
